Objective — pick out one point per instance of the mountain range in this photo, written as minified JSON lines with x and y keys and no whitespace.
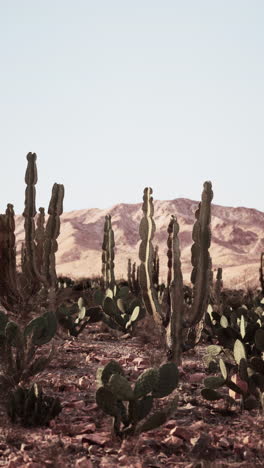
{"x":237,"y":239}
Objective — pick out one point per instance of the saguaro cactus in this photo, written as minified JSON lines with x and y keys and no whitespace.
{"x":108,"y":254}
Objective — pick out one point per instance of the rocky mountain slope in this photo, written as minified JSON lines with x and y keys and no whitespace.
{"x":237,"y":239}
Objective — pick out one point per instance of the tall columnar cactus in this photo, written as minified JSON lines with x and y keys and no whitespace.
{"x":40,"y":238}
{"x":146,"y":231}
{"x":29,"y":213}
{"x":218,"y":286}
{"x":23,"y":258}
{"x":52,"y":232}
{"x":134,"y":279}
{"x":200,"y":277}
{"x":108,"y":254}
{"x":10,"y":220}
{"x":176,"y":299}
{"x":129,"y":274}
{"x":201,"y":260}
{"x":8,"y":281}
{"x":34,"y":244}
{"x":261,"y":271}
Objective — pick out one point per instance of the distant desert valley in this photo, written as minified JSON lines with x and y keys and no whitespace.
{"x":237,"y":240}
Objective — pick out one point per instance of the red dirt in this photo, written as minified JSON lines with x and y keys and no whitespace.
{"x":200,"y":434}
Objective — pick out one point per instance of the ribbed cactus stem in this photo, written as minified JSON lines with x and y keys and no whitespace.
{"x":52,"y":232}
{"x":174,"y":329}
{"x":146,"y":251}
{"x":108,"y":254}
{"x":201,"y":259}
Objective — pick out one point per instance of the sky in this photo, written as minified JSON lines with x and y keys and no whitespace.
{"x":117,"y":95}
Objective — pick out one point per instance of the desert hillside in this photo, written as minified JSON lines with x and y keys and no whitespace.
{"x":237,"y":239}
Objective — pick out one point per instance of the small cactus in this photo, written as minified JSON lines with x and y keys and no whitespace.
{"x":153,"y":383}
{"x":30,"y":407}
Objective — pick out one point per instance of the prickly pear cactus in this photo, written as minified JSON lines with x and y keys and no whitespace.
{"x":120,"y":311}
{"x":18,"y":348}
{"x":114,"y":389}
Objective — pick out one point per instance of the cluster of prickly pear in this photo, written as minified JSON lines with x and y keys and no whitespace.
{"x":239,"y":352}
{"x":114,"y":391}
{"x":120,"y":309}
{"x":244,"y":377}
{"x":75,"y":317}
{"x":30,"y":407}
{"x":234,"y":323}
{"x":18,"y":348}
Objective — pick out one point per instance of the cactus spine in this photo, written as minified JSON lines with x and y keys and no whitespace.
{"x":108,"y":254}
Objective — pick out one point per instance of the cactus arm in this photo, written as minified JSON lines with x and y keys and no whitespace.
{"x":146,"y":232}
{"x":201,"y":259}
{"x":174,"y":329}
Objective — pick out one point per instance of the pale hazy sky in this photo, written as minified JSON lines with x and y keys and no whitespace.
{"x":116,"y":95}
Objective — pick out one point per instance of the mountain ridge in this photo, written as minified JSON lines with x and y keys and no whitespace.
{"x":237,"y":239}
